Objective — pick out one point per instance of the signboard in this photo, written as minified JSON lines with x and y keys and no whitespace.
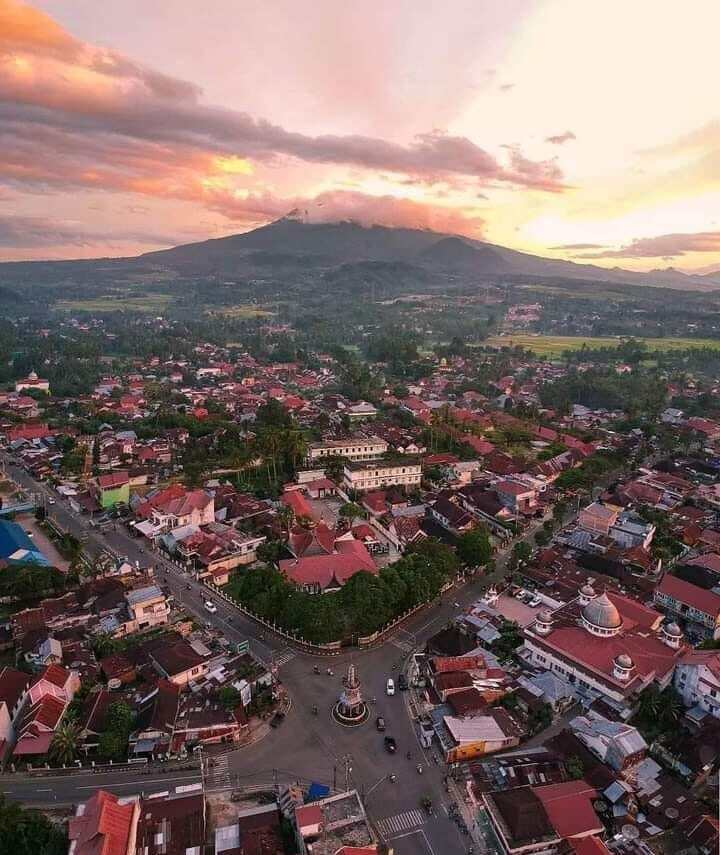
{"x":243,"y":647}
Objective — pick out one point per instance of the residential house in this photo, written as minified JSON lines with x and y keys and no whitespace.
{"x":356,"y":447}
{"x":697,"y":678}
{"x":519,"y":498}
{"x":113,"y":489}
{"x":598,"y":518}
{"x":14,"y":686}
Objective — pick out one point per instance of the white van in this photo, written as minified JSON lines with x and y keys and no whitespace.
{"x":390,"y":687}
{"x":211,"y":607}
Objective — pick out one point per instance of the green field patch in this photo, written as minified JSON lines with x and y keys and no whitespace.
{"x":554,"y":345}
{"x":241,"y":312}
{"x":149,"y":303}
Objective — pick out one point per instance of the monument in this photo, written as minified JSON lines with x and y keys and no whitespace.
{"x":351,"y":709}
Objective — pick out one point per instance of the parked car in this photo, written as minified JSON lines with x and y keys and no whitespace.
{"x":211,"y":607}
{"x":521,"y":593}
{"x":535,"y":602}
{"x":402,"y":682}
{"x":390,"y":745}
{"x":390,"y":687}
{"x":380,"y":723}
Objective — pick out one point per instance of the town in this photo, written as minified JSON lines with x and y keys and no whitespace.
{"x":312,"y":619}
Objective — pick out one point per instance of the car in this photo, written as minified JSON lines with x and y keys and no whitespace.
{"x":51,"y":501}
{"x":520,"y":594}
{"x":402,"y":682}
{"x":211,"y":607}
{"x":28,"y":532}
{"x":390,"y":744}
{"x":535,"y":602}
{"x":380,"y":723}
{"x":390,"y":686}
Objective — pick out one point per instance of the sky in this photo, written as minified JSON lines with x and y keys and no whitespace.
{"x":568,"y":128}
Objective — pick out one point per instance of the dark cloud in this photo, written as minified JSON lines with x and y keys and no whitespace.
{"x":662,"y":246}
{"x":560,"y":139}
{"x":34,"y":232}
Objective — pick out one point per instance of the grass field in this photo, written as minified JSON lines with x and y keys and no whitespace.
{"x":554,"y":345}
{"x":241,"y":312}
{"x":151,"y":303}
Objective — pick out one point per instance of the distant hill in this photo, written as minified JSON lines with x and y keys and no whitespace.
{"x":291,"y":244}
{"x":326,"y":243}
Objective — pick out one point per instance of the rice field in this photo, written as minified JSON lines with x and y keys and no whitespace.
{"x":554,"y":345}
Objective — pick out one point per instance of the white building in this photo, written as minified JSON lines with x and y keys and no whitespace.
{"x":382,"y":473}
{"x":357,"y":447}
{"x":606,"y":646}
{"x":32,"y":381}
{"x":697,"y":678}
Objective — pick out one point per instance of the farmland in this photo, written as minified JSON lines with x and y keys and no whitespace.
{"x":150,"y":303}
{"x":553,"y":345}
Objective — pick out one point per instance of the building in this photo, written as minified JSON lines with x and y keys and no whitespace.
{"x":606,"y":646}
{"x":147,"y":608}
{"x":167,"y":823}
{"x":328,"y":571}
{"x":697,"y":678}
{"x":370,"y":475}
{"x":177,"y":661}
{"x":542,"y":820}
{"x":474,"y":736}
{"x":697,"y":609}
{"x":16,"y":547}
{"x":615,"y":743}
{"x":358,"y":447}
{"x":255,"y":832}
{"x":14,"y":686}
{"x":113,"y":489}
{"x":334,"y":825}
{"x":519,"y":498}
{"x":598,"y":518}
{"x":33,"y":383}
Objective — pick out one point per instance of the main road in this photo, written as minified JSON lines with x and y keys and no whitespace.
{"x":306,"y":747}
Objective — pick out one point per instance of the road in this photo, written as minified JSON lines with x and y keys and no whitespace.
{"x":306,"y":747}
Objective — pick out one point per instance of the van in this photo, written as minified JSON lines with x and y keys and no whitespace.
{"x":211,"y":607}
{"x":390,"y":687}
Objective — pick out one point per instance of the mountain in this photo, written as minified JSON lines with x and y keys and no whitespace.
{"x":291,"y":245}
{"x":323,"y":244}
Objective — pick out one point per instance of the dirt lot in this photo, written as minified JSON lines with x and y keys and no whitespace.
{"x":43,"y":542}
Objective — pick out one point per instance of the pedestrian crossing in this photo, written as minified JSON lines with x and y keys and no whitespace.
{"x":284,"y":657}
{"x":218,"y":773}
{"x":400,"y":822}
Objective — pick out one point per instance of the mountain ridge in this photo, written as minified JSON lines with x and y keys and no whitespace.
{"x":291,"y":240}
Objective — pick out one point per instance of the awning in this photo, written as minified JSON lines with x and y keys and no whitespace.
{"x":147,"y":528}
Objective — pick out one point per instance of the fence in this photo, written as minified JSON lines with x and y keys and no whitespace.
{"x":332,"y":648}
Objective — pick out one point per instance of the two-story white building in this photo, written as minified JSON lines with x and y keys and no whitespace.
{"x":696,"y":608}
{"x":697,"y":678}
{"x":147,"y":608}
{"x":374,"y":475}
{"x":357,"y":447}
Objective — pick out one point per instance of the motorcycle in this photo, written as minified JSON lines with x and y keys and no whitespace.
{"x":315,"y":710}
{"x":316,"y":670}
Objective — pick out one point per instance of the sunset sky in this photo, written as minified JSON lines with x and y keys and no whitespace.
{"x":568,"y":128}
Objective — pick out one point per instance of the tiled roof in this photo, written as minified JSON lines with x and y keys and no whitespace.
{"x":689,"y":594}
{"x":105,"y":826}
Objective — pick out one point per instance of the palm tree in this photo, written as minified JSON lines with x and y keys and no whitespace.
{"x":286,"y":516}
{"x":65,"y":745}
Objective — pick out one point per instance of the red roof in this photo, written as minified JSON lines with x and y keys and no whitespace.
{"x":113,"y":480}
{"x":105,"y":826}
{"x":375,"y":502}
{"x":589,"y":846}
{"x":308,"y":815}
{"x":295,"y":500}
{"x":55,"y":674}
{"x":325,"y":570}
{"x":685,"y":592}
{"x":569,"y":808}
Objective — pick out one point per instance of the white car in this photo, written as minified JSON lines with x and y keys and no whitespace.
{"x":211,"y":607}
{"x":535,"y":602}
{"x":390,"y":687}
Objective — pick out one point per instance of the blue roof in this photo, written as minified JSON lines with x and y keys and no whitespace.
{"x":13,"y":538}
{"x":317,"y":791}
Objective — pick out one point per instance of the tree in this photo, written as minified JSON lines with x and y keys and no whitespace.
{"x":510,"y":639}
{"x":521,"y":553}
{"x":350,"y":511}
{"x":574,"y":767}
{"x":230,"y":697}
{"x":474,"y":548}
{"x":113,"y":741}
{"x":65,"y":745}
{"x":25,"y":831}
